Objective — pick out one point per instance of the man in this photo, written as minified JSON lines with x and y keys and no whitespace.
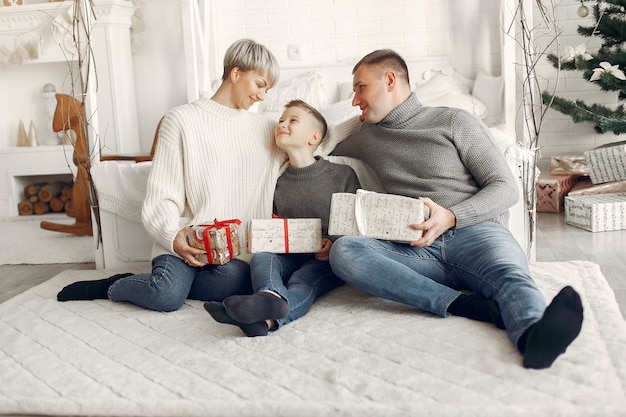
{"x":447,"y":157}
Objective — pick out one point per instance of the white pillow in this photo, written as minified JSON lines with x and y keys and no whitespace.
{"x":340,"y":111}
{"x":490,"y":90}
{"x":346,"y":90}
{"x":309,"y":87}
{"x":445,"y":90}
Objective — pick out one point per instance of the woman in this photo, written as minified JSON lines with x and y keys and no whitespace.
{"x":214,"y":160}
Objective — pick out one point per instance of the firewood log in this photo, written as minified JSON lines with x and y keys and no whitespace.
{"x":57,"y":205}
{"x":32,"y":189}
{"x":41,"y":207}
{"x":48,"y":191}
{"x":25,"y":208}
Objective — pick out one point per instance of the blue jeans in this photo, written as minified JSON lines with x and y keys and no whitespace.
{"x":298,"y":278}
{"x":172,"y":281}
{"x":484,"y":258}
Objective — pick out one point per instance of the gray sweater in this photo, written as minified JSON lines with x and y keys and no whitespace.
{"x":306,"y":192}
{"x":442,"y":153}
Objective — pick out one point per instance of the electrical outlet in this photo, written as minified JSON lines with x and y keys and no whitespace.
{"x":294,"y":52}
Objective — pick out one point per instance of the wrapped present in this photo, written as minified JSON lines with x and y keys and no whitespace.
{"x":220,"y":240}
{"x":280,"y":235}
{"x":597,"y":212}
{"x":607,"y":163}
{"x":381,"y":216}
{"x":569,"y":164}
{"x":551,"y":191}
{"x":584,"y":186}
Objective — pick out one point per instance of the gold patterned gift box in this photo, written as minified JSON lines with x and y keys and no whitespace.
{"x":381,"y":216}
{"x":597,"y":212}
{"x":220,"y":240}
{"x":569,"y":164}
{"x":551,"y":191}
{"x":279,"y":235}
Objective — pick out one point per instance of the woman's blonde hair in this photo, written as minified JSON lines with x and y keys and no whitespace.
{"x":249,"y":55}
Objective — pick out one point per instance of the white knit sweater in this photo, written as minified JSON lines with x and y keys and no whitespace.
{"x":211,"y":162}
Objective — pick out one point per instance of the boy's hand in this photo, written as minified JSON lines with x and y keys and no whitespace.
{"x":322,"y":254}
{"x":182,"y":248}
{"x":441,"y":219}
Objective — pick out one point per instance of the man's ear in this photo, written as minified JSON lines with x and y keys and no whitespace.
{"x":391,"y":80}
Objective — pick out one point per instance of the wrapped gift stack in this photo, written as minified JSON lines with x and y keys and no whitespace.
{"x":590,"y":188}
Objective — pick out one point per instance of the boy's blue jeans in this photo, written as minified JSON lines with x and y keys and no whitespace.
{"x":172,"y":281}
{"x":298,"y":278}
{"x":484,"y":258}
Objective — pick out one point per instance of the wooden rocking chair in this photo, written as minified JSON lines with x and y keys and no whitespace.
{"x":69,"y":115}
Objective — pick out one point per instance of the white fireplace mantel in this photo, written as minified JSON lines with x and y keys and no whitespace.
{"x":36,"y":48}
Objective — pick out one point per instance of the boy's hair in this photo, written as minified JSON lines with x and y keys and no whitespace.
{"x":386,"y":59}
{"x":313,"y":111}
{"x":249,"y":55}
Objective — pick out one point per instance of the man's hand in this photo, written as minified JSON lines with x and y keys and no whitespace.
{"x":322,"y":254}
{"x":441,"y":219}
{"x":182,"y":248}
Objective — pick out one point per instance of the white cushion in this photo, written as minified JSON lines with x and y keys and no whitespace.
{"x":445,"y":90}
{"x":309,"y":88}
{"x":490,"y":90}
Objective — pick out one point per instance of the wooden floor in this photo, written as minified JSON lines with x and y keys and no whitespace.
{"x":556,"y":241}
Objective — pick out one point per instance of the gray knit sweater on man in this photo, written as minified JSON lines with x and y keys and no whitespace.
{"x":306,"y":192}
{"x":442,"y":153}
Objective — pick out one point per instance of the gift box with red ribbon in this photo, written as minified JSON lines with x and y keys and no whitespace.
{"x":220,"y":240}
{"x":278,"y":235}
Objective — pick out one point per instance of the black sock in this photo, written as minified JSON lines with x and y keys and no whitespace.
{"x":477,"y":307}
{"x":256,"y":307}
{"x":545,"y":340}
{"x":89,"y":290}
{"x":218,"y":312}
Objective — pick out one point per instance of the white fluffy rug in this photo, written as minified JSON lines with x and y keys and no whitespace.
{"x":24,"y":242}
{"x":352,"y":355}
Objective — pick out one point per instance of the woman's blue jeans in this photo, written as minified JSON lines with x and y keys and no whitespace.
{"x":172,"y":281}
{"x":298,"y":278}
{"x":484,"y":258}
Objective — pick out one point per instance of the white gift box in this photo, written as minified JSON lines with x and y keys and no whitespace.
{"x":380,"y":216}
{"x":607,"y":162}
{"x":284,"y":235}
{"x":597,"y":212}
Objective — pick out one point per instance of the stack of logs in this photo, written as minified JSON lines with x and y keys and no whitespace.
{"x":42,"y":198}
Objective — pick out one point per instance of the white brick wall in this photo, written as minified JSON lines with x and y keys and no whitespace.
{"x":332,"y":31}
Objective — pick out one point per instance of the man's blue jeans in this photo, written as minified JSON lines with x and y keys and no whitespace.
{"x":484,"y":258}
{"x":298,"y":278}
{"x":172,"y":281}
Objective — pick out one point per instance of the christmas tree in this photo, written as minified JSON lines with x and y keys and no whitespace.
{"x":603,"y":68}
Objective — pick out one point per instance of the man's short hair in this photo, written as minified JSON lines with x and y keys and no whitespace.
{"x":386,"y":59}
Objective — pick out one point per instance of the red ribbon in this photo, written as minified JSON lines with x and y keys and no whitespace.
{"x":286,"y":227}
{"x":218,"y":225}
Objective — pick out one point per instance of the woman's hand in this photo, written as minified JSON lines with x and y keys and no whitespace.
{"x":441,"y":219}
{"x":182,"y":248}
{"x":323,"y":253}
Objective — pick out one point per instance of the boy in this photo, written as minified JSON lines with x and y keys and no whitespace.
{"x":286,"y":285}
